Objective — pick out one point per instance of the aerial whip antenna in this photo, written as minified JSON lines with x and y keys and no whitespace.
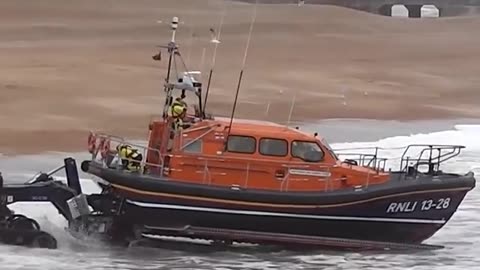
{"x":171,"y":48}
{"x":291,"y":108}
{"x":243,"y":67}
{"x":192,"y":38}
{"x":174,"y":26}
{"x":216,"y":40}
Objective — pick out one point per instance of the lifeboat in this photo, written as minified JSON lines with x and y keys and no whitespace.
{"x":234,"y":175}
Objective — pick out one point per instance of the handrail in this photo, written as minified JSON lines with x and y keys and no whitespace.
{"x":363,"y":156}
{"x":445,"y":152}
{"x":183,"y":146}
{"x":368,"y":160}
{"x":204,"y":169}
{"x":102,"y":137}
{"x":433,"y":160}
{"x":190,"y":130}
{"x":276,"y":161}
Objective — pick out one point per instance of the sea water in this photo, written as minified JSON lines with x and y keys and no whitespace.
{"x":461,"y":235}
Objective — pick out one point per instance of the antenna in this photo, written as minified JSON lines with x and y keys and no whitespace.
{"x":174,"y":26}
{"x":216,"y":41}
{"x":202,"y":60}
{"x":171,"y":48}
{"x":291,"y":108}
{"x":190,"y":42}
{"x":243,"y":67}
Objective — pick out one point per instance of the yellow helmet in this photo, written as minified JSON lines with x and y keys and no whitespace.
{"x":177,"y":109}
{"x":121,"y":146}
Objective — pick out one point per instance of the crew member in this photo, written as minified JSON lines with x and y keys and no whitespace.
{"x":179,"y":111}
{"x":131,"y":158}
{"x":178,"y":123}
{"x":178,"y":107}
{"x":182,"y":98}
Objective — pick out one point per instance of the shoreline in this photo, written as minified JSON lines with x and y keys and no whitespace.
{"x":77,"y":142}
{"x":68,"y":68}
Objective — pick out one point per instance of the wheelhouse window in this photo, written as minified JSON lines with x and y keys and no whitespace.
{"x":329,"y":148}
{"x":241,"y":144}
{"x":307,"y":151}
{"x":273,"y":147}
{"x":192,"y":146}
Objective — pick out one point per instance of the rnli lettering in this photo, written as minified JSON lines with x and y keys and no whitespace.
{"x":401,"y":207}
{"x":425,"y":205}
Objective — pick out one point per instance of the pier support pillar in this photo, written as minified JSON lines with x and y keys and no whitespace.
{"x":414,"y":11}
{"x":385,"y":10}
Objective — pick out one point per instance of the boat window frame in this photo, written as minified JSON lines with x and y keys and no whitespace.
{"x":272,"y":138}
{"x":239,"y":152}
{"x":329,"y":148}
{"x":191,"y":142}
{"x":304,"y":141}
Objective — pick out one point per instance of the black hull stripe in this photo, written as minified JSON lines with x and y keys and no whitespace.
{"x":277,"y":214}
{"x":279,"y":205}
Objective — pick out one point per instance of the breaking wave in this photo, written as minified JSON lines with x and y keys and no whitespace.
{"x":393,"y":147}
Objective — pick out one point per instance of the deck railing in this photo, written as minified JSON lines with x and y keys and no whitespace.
{"x":435,"y":154}
{"x":109,"y":157}
{"x":106,"y":155}
{"x":430,"y":155}
{"x":369,"y":157}
{"x":412,"y":156}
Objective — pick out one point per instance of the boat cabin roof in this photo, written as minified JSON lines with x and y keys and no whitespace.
{"x":258,"y":128}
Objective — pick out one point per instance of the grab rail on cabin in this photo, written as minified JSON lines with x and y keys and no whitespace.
{"x":430,"y":155}
{"x":290,"y":171}
{"x":326,"y":178}
{"x":102,"y":145}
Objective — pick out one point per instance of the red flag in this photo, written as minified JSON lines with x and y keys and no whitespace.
{"x":158,"y":56}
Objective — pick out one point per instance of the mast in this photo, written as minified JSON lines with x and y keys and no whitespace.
{"x":184,"y":82}
{"x":171,"y":49}
{"x":171,"y":46}
{"x":254,"y":16}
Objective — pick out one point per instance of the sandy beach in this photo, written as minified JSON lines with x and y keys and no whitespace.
{"x":71,"y":66}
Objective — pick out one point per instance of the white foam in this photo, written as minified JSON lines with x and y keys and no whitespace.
{"x":466,"y":135}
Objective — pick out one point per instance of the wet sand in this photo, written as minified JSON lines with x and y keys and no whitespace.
{"x":71,"y":66}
